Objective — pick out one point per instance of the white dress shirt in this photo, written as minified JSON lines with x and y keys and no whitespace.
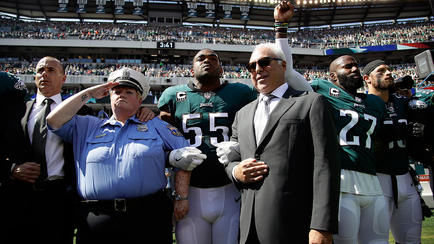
{"x":54,"y":144}
{"x":278,"y":93}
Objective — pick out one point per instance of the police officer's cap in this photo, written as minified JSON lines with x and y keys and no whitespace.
{"x":130,"y":78}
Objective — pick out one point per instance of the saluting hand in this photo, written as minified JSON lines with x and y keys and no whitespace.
{"x":100,"y":91}
{"x":28,"y":172}
{"x":250,"y":170}
{"x":283,"y":12}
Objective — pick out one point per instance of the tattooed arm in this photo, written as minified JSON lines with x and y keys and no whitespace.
{"x":68,"y":108}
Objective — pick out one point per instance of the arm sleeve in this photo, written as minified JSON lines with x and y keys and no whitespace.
{"x":171,"y":136}
{"x":326,"y":175}
{"x":165,"y":99}
{"x":294,"y":79}
{"x":77,"y":128}
{"x":230,"y":167}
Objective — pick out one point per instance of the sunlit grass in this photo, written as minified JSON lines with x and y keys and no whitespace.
{"x":427,"y":232}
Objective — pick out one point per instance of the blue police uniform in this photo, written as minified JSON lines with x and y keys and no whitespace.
{"x":121,"y":176}
{"x":115,"y":161}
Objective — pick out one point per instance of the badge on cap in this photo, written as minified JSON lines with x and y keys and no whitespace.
{"x":142,"y":127}
{"x":125,"y":74}
{"x":174,"y":130}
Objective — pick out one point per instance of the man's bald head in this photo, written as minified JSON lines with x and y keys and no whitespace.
{"x":334,"y":64}
{"x":345,"y":73}
{"x":50,"y":76}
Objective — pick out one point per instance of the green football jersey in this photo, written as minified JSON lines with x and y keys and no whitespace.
{"x":391,"y":146}
{"x":206,"y":119}
{"x":421,"y":110}
{"x":357,"y":120}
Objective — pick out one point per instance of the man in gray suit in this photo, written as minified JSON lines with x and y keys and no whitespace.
{"x":289,"y":170}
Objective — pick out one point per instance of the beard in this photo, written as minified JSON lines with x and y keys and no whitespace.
{"x":350,"y":82}
{"x":384,"y":84}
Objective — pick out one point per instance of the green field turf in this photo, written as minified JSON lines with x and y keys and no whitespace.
{"x":427,"y":232}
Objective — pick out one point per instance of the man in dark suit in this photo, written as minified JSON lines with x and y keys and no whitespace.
{"x":43,"y":185}
{"x":289,"y":173}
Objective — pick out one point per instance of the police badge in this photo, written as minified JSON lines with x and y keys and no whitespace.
{"x":125,"y":75}
{"x":142,"y":127}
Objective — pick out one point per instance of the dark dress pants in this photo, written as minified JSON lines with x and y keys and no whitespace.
{"x":147,"y":220}
{"x":41,"y":215}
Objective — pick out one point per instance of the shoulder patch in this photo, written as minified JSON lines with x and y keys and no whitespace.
{"x":19,"y":84}
{"x":181,"y":96}
{"x":417,"y":104}
{"x":174,"y":130}
{"x":334,"y":92}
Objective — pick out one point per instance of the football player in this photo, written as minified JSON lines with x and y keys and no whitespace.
{"x":392,"y":157}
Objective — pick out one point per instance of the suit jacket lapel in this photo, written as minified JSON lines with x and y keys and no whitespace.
{"x":24,"y":120}
{"x":250,"y":128}
{"x":284,"y":105}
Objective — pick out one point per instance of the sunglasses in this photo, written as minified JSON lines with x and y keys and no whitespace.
{"x":263,"y":62}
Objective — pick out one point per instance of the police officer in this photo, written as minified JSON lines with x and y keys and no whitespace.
{"x":120,"y":163}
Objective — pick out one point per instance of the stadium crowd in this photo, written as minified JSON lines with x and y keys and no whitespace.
{"x":176,"y":70}
{"x":313,"y":127}
{"x":336,"y":37}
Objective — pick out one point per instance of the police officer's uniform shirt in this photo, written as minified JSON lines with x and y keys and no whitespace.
{"x":206,"y":118}
{"x":357,"y":119}
{"x":54,"y":144}
{"x":115,"y":161}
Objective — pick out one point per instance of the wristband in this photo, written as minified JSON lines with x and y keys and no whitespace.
{"x":281,"y":24}
{"x":281,"y":29}
{"x":178,"y":197}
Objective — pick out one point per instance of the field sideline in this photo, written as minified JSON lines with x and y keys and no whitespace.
{"x":427,"y":231}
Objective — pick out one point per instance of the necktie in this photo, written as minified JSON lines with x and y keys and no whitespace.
{"x":263,"y":111}
{"x":40,"y":137}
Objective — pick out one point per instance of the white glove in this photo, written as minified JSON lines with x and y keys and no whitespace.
{"x":228,"y":151}
{"x":186,"y":158}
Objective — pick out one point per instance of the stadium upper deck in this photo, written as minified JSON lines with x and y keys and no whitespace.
{"x":220,"y":12}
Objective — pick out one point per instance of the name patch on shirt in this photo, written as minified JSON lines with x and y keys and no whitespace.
{"x":142,"y":127}
{"x":102,"y":135}
{"x":174,"y":130}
